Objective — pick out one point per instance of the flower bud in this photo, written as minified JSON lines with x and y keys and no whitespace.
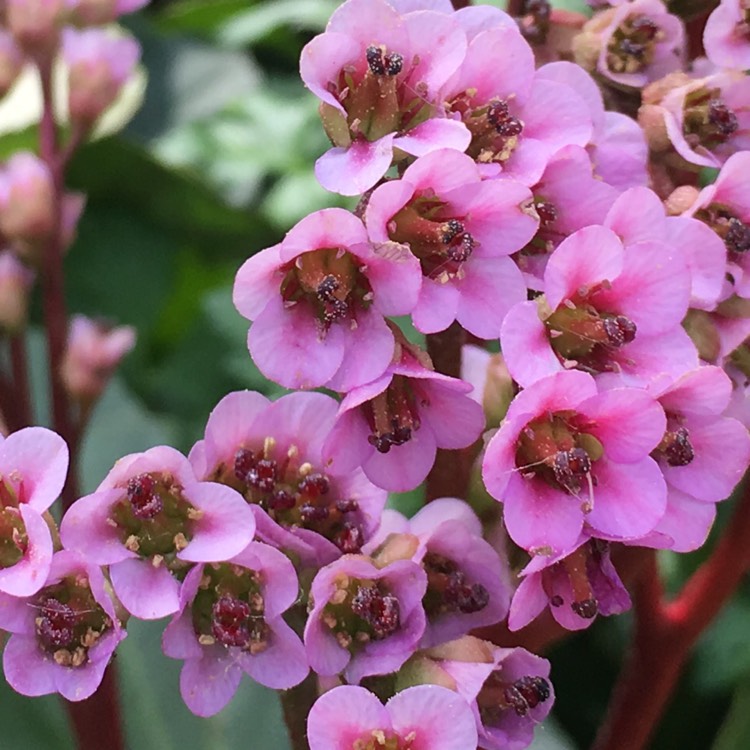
{"x":681,"y":199}
{"x":98,"y":12}
{"x":11,"y":61}
{"x":26,"y":199}
{"x":15,"y":282}
{"x":93,"y":353}
{"x":99,"y":65}
{"x":36,"y":23}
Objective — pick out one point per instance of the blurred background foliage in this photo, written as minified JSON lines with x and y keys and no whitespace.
{"x":216,"y":165}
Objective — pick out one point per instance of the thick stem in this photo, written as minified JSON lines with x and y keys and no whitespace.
{"x":296,"y":704}
{"x":96,"y":720}
{"x":665,"y":633}
{"x":458,"y":4}
{"x":449,"y":476}
{"x":55,"y":313}
{"x":19,"y":363}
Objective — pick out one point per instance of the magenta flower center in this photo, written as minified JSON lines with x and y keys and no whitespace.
{"x":499,"y":695}
{"x":13,"y":538}
{"x":392,"y":415}
{"x":581,"y":333}
{"x":229,"y":608}
{"x":69,"y":621}
{"x":361,"y":611}
{"x":633,"y":43}
{"x":154,"y":518}
{"x":294,"y":494}
{"x":331,"y":282}
{"x":556,"y":449}
{"x":449,"y":590}
{"x":707,"y":120}
{"x":441,"y":241}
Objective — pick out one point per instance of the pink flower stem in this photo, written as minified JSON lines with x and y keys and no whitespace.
{"x":666,"y":631}
{"x":55,"y":313}
{"x":449,"y":476}
{"x":96,"y":721}
{"x":19,"y":363}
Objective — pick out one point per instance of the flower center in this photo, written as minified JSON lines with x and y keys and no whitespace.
{"x":448,"y":589}
{"x":381,"y":740}
{"x":494,"y":129}
{"x":154,"y":519}
{"x":229,"y":609}
{"x":675,"y":447}
{"x":632,"y":45}
{"x":731,"y":229}
{"x":331,"y":281}
{"x":498,"y":695}
{"x":556,"y":449}
{"x":69,"y":621}
{"x":707,"y":121}
{"x":440,"y":241}
{"x":582,"y":334}
{"x":13,"y":538}
{"x":294,"y":494}
{"x":392,"y":415}
{"x":361,"y":611}
{"x":579,"y":567}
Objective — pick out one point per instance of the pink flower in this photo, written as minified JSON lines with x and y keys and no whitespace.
{"x":467,"y":583}
{"x":365,"y":620}
{"x":272,"y":454}
{"x":16,"y":281}
{"x":703,"y":454}
{"x":576,"y":585}
{"x":33,"y":467}
{"x":425,"y":717}
{"x":317,"y":302}
{"x":26,"y":198}
{"x":461,"y":229}
{"x":150,"y":520}
{"x":509,"y":692}
{"x":567,"y":459}
{"x":632,"y":44}
{"x":393,"y":426}
{"x":726,"y":37}
{"x":378,"y":76}
{"x":93,"y":353}
{"x":230,"y":622}
{"x":725,"y":207}
{"x":607,"y":309}
{"x":35,"y":24}
{"x":99,"y":66}
{"x":63,"y":637}
{"x":508,"y":107}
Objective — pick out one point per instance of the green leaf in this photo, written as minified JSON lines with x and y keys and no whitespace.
{"x":198,"y":16}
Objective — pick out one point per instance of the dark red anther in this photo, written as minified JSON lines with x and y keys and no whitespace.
{"x":510,"y":128}
{"x":547,"y":212}
{"x":264,"y":475}
{"x":230,"y":621}
{"x":394,"y":64}
{"x":535,"y":690}
{"x":461,"y":251}
{"x":619,"y":330}
{"x":315,"y":485}
{"x":677,"y":448}
{"x":723,"y":119}
{"x":143,"y":496}
{"x":281,"y":500}
{"x":314,"y":513}
{"x":497,"y":112}
{"x":380,"y":611}
{"x":382,"y":443}
{"x":464,"y":597}
{"x":588,"y":608}
{"x":401,"y":434}
{"x":244,"y":462}
{"x":349,"y":539}
{"x":556,"y":600}
{"x":347,"y":505}
{"x":737,"y":238}
{"x":55,"y":625}
{"x":571,"y":469}
{"x":452,"y":229}
{"x":327,"y":287}
{"x":382,"y":64}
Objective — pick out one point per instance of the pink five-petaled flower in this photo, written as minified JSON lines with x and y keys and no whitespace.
{"x":702,"y":454}
{"x":33,"y":466}
{"x":632,"y":44}
{"x":577,"y":586}
{"x":393,"y":426}
{"x":63,"y":637}
{"x":378,"y":74}
{"x":567,"y":458}
{"x":726,"y":37}
{"x":462,"y":230}
{"x":364,"y":620}
{"x":318,"y":300}
{"x":516,"y":117}
{"x":272,"y":454}
{"x":607,"y":309}
{"x":230,"y":622}
{"x":509,"y":692}
{"x":151,"y":519}
{"x":425,"y":717}
{"x":467,"y":582}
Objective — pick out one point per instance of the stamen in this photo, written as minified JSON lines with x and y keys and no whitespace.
{"x":143,"y":497}
{"x":677,"y":448}
{"x":380,"y":611}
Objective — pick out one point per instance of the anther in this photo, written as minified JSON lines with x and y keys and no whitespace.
{"x":547,"y":212}
{"x":380,"y":611}
{"x":143,"y":496}
{"x":677,"y":448}
{"x":571,"y":468}
{"x":349,"y":539}
{"x":620,"y":330}
{"x":229,"y":623}
{"x":314,"y":485}
{"x":264,"y":475}
{"x":55,"y":626}
{"x":244,"y":461}
{"x":588,"y":608}
{"x":723,"y":119}
{"x":527,"y":693}
{"x":737,"y":238}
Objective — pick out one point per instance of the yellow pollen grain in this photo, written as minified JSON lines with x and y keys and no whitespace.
{"x":344,"y":640}
{"x":206,"y":640}
{"x":293,"y":451}
{"x":305,"y":469}
{"x":195,"y":514}
{"x":180,"y":542}
{"x":157,"y":560}
{"x":268,"y":445}
{"x":132,"y":543}
{"x":339,"y":596}
{"x":63,"y":657}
